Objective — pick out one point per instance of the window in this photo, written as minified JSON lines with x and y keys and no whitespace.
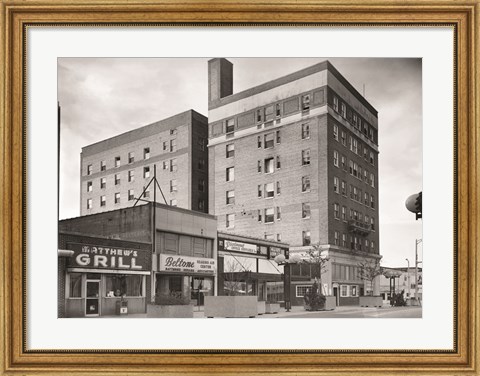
{"x":268,"y":140}
{"x":230,"y":220}
{"x":305,"y":183}
{"x":173,"y":185}
{"x":344,"y":162}
{"x":335,"y":104}
{"x":103,"y":166}
{"x":230,"y":173}
{"x":259,"y":142}
{"x":336,"y":211}
{"x":335,"y":184}
{"x":344,"y":110}
{"x":344,"y":240}
{"x":365,"y":175}
{"x":372,"y":202}
{"x":372,"y":245}
{"x":259,"y":166}
{"x":173,"y":145}
{"x":355,"y":119}
{"x":355,"y":169}
{"x":302,"y":290}
{"x":343,"y":290}
{"x":117,"y":198}
{"x":173,"y":131}
{"x":75,"y":285}
{"x":305,"y":210}
{"x":372,"y":223}
{"x":146,"y":194}
{"x":173,"y":202}
{"x":355,"y":146}
{"x":146,"y":153}
{"x":131,"y":175}
{"x":336,"y":237}
{"x":259,"y":215}
{"x":335,"y":158}
{"x":269,"y":215}
{"x":165,"y":145}
{"x":278,"y":137}
{"x":335,"y":132}
{"x":278,"y":188}
{"x":350,"y":163}
{"x":367,"y":244}
{"x":344,"y":213}
{"x":165,"y":165}
{"x":201,"y":204}
{"x":230,"y":125}
{"x":344,"y":138}
{"x":305,"y":157}
{"x":259,"y":191}
{"x":353,"y":290}
{"x":344,"y":188}
{"x":131,"y":157}
{"x":230,"y":151}
{"x":230,"y":197}
{"x":269,"y":192}
{"x":259,"y":116}
{"x":89,"y":203}
{"x":305,"y":131}
{"x":103,"y":201}
{"x":372,"y":159}
{"x":201,"y":144}
{"x":365,"y":153}
{"x":173,"y":165}
{"x":372,"y":180}
{"x":269,"y":165}
{"x":279,"y":165}
{"x":277,"y":110}
{"x":279,"y":237}
{"x":117,"y":179}
{"x":201,"y":164}
{"x":146,"y":172}
{"x":306,"y":237}
{"x":103,"y":183}
{"x":355,"y":193}
{"x":89,"y":169}
{"x":305,"y":102}
{"x":130,"y":195}
{"x":117,"y":161}
{"x":89,"y":186}
{"x":201,"y":185}
{"x":279,"y":213}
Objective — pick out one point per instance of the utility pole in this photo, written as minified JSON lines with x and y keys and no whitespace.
{"x":408,"y":277}
{"x":417,"y":242}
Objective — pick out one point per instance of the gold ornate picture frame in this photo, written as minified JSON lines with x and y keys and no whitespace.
{"x":462,"y":17}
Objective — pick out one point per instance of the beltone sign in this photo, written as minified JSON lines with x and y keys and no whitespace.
{"x":186,"y":264}
{"x":240,"y":247}
{"x":101,"y":257}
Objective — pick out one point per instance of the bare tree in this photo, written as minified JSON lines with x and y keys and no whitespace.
{"x":368,"y":270}
{"x":232,"y":278}
{"x":318,"y":262}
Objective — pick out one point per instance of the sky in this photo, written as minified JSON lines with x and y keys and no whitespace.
{"x":103,"y":97}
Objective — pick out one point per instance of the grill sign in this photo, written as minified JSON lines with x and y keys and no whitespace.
{"x":94,"y":257}
{"x":185,"y":264}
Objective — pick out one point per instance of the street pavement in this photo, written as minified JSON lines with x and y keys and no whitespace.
{"x":343,"y":312}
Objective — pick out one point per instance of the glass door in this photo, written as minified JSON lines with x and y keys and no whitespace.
{"x":92,"y":302}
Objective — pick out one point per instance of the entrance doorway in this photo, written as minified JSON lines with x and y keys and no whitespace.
{"x":92,"y":301}
{"x":335,"y":294}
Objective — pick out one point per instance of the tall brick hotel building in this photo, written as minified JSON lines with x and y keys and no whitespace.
{"x":296,"y":160}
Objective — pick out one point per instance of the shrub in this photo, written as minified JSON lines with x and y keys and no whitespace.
{"x":174,"y":298}
{"x":314,"y":298}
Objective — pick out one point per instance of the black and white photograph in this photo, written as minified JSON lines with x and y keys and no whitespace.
{"x":228,"y":187}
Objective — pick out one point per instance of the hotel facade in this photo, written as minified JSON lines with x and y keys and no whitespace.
{"x":295,"y":160}
{"x":116,"y":171}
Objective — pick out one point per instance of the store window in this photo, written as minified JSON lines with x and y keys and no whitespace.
{"x":343,"y":291}
{"x":75,"y":285}
{"x":123,"y":285}
{"x":302,"y":290}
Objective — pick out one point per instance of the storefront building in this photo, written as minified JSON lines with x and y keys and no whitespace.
{"x":246,"y":266}
{"x":116,"y":262}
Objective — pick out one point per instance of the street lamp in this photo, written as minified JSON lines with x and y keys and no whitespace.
{"x":417,"y":242}
{"x":408,"y":276}
{"x":282,"y":260}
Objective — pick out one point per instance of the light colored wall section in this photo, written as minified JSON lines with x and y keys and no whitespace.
{"x":277,"y":93}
